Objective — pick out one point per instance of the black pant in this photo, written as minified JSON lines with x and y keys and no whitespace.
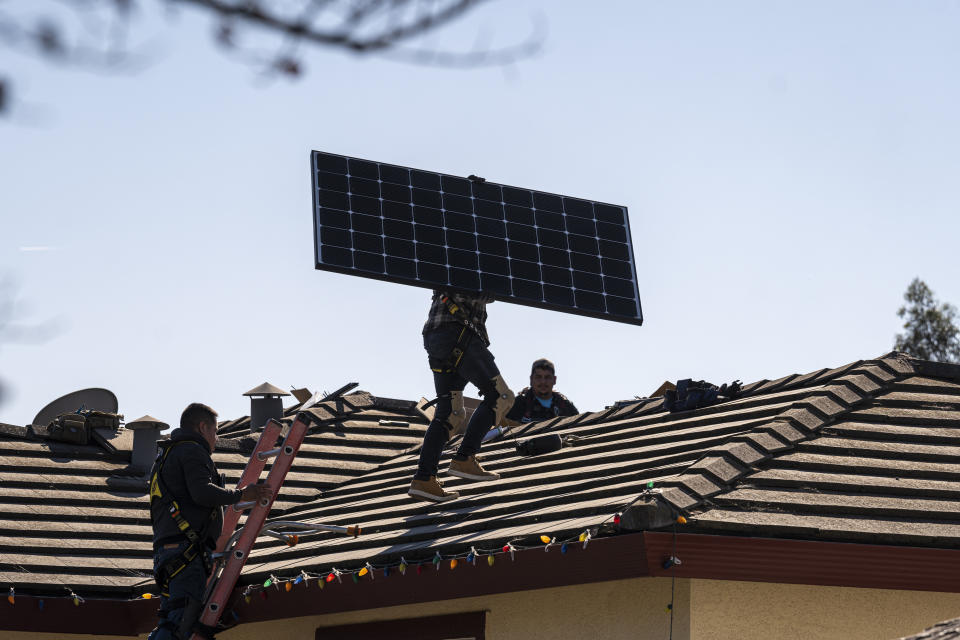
{"x":187,"y":585}
{"x":476,"y":367}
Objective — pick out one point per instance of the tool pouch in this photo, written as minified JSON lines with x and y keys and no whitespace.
{"x":69,"y":427}
{"x":102,"y":420}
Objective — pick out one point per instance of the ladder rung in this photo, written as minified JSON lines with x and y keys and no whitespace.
{"x":263,"y":455}
{"x":241,"y":506}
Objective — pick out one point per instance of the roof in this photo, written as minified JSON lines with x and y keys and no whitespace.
{"x":863,"y":457}
{"x":74,"y":518}
{"x":865,"y":453}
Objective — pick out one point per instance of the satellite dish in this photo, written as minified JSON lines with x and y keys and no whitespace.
{"x":95,"y":399}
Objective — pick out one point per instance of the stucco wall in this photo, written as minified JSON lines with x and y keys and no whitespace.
{"x":616,"y":610}
{"x":704,"y":610}
{"x":726,"y":610}
{"x":634,"y":609}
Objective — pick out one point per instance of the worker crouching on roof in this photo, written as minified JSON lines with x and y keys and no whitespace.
{"x":455,"y":337}
{"x":186,"y":509}
{"x":539,"y":401}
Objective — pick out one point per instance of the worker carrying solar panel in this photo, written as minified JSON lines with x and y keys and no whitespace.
{"x":540,"y":401}
{"x":455,"y":337}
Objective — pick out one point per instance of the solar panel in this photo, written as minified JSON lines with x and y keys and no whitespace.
{"x":435,"y":230}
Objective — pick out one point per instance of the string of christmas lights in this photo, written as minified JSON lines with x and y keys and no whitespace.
{"x":41,"y":600}
{"x":368,"y":570}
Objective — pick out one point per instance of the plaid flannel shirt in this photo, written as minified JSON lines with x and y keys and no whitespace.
{"x":475,"y":313}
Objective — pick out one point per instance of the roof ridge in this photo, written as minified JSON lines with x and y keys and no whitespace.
{"x":721,"y":466}
{"x":16,"y":431}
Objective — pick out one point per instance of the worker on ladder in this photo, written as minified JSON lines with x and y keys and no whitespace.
{"x":186,"y":509}
{"x":455,"y":337}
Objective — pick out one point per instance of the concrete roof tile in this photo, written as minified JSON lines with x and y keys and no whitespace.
{"x":772,"y":442}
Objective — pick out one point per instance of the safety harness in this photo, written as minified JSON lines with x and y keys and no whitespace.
{"x":452,"y":361}
{"x":161,"y":492}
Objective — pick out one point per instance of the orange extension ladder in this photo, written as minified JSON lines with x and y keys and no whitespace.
{"x":233,"y":548}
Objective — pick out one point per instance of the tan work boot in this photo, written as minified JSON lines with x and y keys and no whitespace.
{"x":471,"y":470}
{"x":430,"y":490}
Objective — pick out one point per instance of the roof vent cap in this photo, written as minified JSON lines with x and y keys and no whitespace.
{"x":146,"y":432}
{"x":265,"y":403}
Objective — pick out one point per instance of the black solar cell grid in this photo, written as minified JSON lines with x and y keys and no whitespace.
{"x":438,"y":231}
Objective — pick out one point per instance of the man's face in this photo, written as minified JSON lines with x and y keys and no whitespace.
{"x":209,"y":432}
{"x":542,"y":381}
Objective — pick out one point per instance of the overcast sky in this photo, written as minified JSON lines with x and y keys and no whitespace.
{"x":788,"y":169}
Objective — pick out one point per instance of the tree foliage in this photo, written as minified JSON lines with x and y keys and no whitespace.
{"x":931,"y":332}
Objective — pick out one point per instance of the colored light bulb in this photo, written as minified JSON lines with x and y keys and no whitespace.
{"x":545,"y":539}
{"x":298,"y":580}
{"x":267,"y":582}
{"x":616,"y":518}
{"x":563,"y":548}
{"x":403,"y":567}
{"x":490,"y":560}
{"x":583,"y":536}
{"x":76,"y":601}
{"x":453,"y":563}
{"x":288,"y":586}
{"x":650,"y":485}
{"x":506,"y":548}
{"x":147,"y":596}
{"x":246,"y":599}
{"x":356,"y":578}
{"x":263,"y":595}
{"x":363,"y":572}
{"x":681,"y":520}
{"x":330,"y":577}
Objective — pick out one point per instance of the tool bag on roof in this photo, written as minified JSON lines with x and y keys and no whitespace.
{"x":102,"y":419}
{"x":691,"y":394}
{"x":69,"y":427}
{"x":75,"y":427}
{"x":540,"y":444}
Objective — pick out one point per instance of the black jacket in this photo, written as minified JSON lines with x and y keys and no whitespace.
{"x":191,"y":477}
{"x":526,"y":407}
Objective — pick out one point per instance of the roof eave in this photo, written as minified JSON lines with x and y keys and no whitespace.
{"x":624,"y":556}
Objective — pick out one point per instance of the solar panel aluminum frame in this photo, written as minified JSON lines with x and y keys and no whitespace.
{"x":542,"y":303}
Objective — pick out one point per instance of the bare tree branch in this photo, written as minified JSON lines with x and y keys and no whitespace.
{"x":95,"y":33}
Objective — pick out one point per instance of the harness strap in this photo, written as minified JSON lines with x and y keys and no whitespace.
{"x":452,"y":362}
{"x":160,"y":491}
